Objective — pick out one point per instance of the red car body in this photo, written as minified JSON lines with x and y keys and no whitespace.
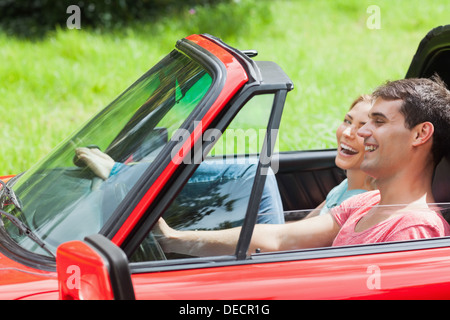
{"x":98,"y":267}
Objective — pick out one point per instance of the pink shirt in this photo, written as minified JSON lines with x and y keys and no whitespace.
{"x":417,"y":224}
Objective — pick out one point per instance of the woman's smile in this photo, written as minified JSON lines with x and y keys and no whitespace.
{"x":351,"y":146}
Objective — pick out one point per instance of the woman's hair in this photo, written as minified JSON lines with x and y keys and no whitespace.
{"x":361,"y":98}
{"x":370,"y":181}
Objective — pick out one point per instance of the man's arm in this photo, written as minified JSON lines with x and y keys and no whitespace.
{"x":318,"y":231}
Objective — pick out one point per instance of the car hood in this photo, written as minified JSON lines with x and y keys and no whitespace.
{"x":21,"y":282}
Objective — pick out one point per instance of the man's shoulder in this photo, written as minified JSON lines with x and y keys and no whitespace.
{"x":424,"y":217}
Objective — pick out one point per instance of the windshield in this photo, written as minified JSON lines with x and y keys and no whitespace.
{"x":63,"y":199}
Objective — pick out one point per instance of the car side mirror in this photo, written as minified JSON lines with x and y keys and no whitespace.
{"x":93,"y":269}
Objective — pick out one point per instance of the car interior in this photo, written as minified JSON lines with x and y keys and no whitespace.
{"x":305,"y":178}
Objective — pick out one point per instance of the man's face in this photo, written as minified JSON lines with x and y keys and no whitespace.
{"x":387,"y":141}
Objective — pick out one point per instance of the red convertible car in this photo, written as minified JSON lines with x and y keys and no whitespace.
{"x":194,"y":140}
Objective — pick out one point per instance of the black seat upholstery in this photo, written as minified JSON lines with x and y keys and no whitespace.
{"x":441,"y":181}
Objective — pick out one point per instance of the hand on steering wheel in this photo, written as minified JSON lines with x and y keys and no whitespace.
{"x":100,"y":163}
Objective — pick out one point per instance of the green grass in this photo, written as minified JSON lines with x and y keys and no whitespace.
{"x":50,"y":87}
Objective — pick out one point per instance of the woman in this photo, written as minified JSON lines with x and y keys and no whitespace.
{"x":350,"y":153}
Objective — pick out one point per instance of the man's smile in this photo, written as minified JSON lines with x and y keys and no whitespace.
{"x":370,"y":147}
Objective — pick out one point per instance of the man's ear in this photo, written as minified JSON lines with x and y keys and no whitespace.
{"x":422,"y":133}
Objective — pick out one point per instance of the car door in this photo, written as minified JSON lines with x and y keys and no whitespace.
{"x":393,"y":271}
{"x":97,"y":269}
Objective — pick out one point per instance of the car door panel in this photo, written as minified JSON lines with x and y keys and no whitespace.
{"x":415,"y":274}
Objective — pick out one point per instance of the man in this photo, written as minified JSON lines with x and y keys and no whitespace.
{"x":405,"y":138}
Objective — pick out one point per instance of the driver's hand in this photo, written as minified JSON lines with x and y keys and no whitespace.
{"x":100,"y":163}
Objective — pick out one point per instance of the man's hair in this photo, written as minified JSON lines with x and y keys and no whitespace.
{"x":423,"y":100}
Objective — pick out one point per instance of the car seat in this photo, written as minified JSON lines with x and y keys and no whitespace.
{"x":441,"y":186}
{"x":441,"y":181}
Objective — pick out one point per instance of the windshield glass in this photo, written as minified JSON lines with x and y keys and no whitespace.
{"x":63,"y":199}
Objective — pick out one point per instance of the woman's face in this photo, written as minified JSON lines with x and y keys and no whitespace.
{"x":350,"y":149}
